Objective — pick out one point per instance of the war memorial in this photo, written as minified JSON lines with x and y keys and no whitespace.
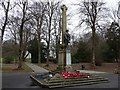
{"x":65,"y":76}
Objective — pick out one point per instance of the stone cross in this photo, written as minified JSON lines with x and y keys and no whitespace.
{"x":64,"y":25}
{"x":64,"y":60}
{"x":62,"y":51}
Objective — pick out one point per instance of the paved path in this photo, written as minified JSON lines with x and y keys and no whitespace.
{"x":89,"y":71}
{"x":36,"y":68}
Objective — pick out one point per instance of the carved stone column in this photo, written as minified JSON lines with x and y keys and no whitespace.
{"x":62,"y":52}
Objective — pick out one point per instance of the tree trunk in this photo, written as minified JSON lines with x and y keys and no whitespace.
{"x":93,"y":47}
{"x":20,"y":48}
{"x":6,"y":19}
{"x":48,"y":44}
{"x":39,"y":49}
{"x":21,"y":37}
{"x":1,"y":51}
{"x":57,"y":48}
{"x":39,"y":25}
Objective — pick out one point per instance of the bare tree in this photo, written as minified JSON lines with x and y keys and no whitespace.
{"x":6,"y":10}
{"x":114,"y":15}
{"x":52,"y":8}
{"x":118,"y":11}
{"x":13,"y":27}
{"x":6,"y":7}
{"x":38,"y":14}
{"x":21,"y":30}
{"x":2,"y":29}
{"x":49,"y":24}
{"x":57,"y":31}
{"x":91,"y":13}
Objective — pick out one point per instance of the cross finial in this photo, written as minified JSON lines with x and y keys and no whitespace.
{"x":63,"y":8}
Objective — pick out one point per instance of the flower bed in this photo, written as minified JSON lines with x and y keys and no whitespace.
{"x":67,"y":74}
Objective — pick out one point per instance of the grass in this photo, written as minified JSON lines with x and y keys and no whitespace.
{"x":51,"y":66}
{"x":106,"y":67}
{"x":13,"y":68}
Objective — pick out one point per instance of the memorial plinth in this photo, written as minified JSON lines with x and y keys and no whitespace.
{"x":68,"y":60}
{"x":61,"y":61}
{"x":59,"y":80}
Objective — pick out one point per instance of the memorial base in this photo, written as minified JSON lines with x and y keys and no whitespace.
{"x":57,"y":80}
{"x":69,"y":68}
{"x":61,"y":60}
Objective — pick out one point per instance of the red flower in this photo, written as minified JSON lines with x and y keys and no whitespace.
{"x":67,"y":74}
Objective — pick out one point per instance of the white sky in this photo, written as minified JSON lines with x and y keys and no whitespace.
{"x":112,"y":4}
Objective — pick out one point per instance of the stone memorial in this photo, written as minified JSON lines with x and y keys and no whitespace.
{"x":66,"y":77}
{"x":64,"y":60}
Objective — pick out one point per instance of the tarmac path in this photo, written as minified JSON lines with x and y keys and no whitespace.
{"x":22,"y":80}
{"x":35,"y":68}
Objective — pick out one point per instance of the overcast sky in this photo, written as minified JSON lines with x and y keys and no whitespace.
{"x":111,"y":4}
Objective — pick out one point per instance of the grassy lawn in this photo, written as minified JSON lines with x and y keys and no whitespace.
{"x":106,"y":67}
{"x":13,"y":68}
{"x":51,"y":66}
